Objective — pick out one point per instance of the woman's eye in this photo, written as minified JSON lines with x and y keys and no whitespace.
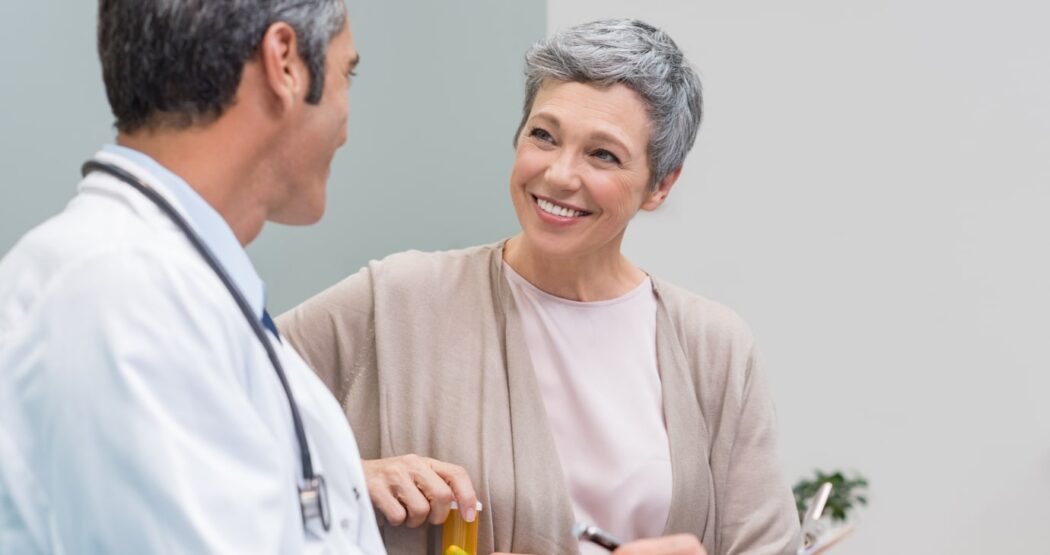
{"x":541,"y":134}
{"x":606,"y":156}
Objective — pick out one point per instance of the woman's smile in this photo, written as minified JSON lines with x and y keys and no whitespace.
{"x":557,"y":213}
{"x":581,"y":172}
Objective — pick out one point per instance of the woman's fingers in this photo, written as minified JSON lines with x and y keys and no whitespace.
{"x":457,"y":479}
{"x":411,"y":489}
{"x":413,"y":500}
{"x":380,"y":475}
{"x":387,"y":504}
{"x":437,"y":492}
{"x":681,"y":544}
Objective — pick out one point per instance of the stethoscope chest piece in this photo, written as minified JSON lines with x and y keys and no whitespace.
{"x":313,"y":500}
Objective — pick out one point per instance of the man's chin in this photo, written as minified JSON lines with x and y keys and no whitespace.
{"x":301,"y":215}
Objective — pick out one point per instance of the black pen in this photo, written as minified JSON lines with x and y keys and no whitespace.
{"x":593,"y":534}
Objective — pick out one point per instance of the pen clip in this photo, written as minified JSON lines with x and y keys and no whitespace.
{"x":810,"y":522}
{"x":595,"y":535}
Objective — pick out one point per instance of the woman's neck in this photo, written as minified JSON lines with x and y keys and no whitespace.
{"x":595,"y":277}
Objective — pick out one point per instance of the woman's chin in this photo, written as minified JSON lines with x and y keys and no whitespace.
{"x":551,"y":246}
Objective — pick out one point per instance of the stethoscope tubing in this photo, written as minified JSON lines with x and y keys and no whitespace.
{"x":309,"y":476}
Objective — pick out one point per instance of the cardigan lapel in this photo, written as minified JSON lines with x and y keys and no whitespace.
{"x":687,"y":433}
{"x":543,"y":516}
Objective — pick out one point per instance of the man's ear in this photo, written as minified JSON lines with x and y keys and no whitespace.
{"x":284,"y":72}
{"x":654,"y":199}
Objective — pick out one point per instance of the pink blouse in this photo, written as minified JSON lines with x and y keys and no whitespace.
{"x":595,"y":363}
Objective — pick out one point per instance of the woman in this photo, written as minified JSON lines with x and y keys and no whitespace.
{"x":566,"y":382}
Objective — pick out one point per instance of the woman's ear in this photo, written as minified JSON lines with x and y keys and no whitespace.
{"x":654,"y":199}
{"x":284,"y":72}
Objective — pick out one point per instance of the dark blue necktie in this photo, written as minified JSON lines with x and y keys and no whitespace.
{"x":268,"y":323}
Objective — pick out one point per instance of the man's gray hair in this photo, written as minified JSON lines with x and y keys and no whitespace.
{"x":179,"y":62}
{"x":638,"y":55}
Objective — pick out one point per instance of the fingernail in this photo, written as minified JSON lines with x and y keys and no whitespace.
{"x":468,"y":514}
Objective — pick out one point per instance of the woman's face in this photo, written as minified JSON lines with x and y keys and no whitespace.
{"x":582,"y":169}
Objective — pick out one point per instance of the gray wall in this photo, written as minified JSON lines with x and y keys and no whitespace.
{"x":870,"y":191}
{"x":426,"y":166}
{"x":433,"y":111}
{"x":53,"y":110}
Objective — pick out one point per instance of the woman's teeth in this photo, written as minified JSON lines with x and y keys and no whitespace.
{"x":551,"y":208}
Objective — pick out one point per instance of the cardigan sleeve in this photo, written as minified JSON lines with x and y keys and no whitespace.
{"x":757,"y":510}
{"x":334,"y":332}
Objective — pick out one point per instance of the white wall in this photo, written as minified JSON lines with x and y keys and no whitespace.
{"x":870,"y":190}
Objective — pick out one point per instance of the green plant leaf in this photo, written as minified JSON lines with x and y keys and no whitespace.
{"x":846,"y":493}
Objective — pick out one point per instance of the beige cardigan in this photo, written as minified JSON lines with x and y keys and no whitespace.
{"x":425,"y":353}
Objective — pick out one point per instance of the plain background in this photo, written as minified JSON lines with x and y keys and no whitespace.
{"x":869,"y":190}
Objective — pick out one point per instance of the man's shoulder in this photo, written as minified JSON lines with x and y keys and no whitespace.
{"x":111,"y":256}
{"x":121,"y":274}
{"x":90,"y":225}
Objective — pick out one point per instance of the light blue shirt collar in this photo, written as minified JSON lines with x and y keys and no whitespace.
{"x":209,"y":225}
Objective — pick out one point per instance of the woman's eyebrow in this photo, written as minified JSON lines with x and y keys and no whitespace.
{"x":599,"y":134}
{"x":550,"y":118}
{"x":606,"y":136}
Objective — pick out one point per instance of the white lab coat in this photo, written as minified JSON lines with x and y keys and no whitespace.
{"x":138,"y":412}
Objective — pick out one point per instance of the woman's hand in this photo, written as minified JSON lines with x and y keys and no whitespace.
{"x":411,"y":489}
{"x":681,"y":544}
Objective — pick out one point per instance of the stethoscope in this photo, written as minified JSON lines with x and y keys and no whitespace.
{"x":313,"y":492}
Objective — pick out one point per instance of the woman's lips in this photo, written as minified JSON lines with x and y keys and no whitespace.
{"x":557,"y":213}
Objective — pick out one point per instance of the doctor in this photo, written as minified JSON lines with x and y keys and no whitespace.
{"x":146,"y":403}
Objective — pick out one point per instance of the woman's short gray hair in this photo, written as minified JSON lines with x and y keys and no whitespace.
{"x":638,"y":55}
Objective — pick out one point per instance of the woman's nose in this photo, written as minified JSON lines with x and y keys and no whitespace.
{"x":563,"y":172}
